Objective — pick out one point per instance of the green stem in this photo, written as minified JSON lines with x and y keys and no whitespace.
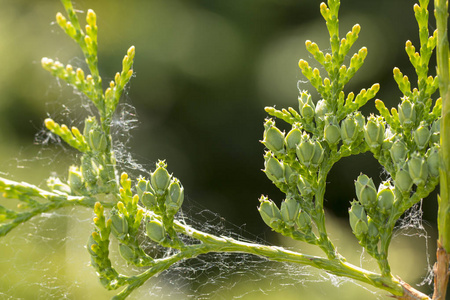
{"x":442,"y":46}
{"x":210,"y":243}
{"x":441,"y":268}
{"x":56,"y":201}
{"x":332,"y":266}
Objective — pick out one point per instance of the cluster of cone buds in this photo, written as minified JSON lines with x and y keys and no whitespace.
{"x":407,"y":114}
{"x":308,"y":151}
{"x":163,"y":193}
{"x":93,"y":143}
{"x":413,"y":168}
{"x":349,"y":131}
{"x":370,"y":209}
{"x":306,"y":106}
{"x":94,"y":136}
{"x":289,"y":216}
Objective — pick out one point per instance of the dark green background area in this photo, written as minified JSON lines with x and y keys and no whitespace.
{"x":204,"y":71}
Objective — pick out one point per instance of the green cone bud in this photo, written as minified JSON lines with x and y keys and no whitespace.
{"x":290,"y":176}
{"x":307,"y":111}
{"x":398,"y":151}
{"x":422,"y":135}
{"x":418,"y":169}
{"x":126,"y":252}
{"x":155,"y":231}
{"x":274,"y":170}
{"x":293,"y":138}
{"x":119,"y":225}
{"x":304,"y":222}
{"x":435,"y":131}
{"x":374,"y":132}
{"x":142,"y":186}
{"x":174,"y":197}
{"x":321,"y":109}
{"x":360,"y":120}
{"x":366,"y":191}
{"x":270,"y":213}
{"x":97,"y":140}
{"x":306,"y":106}
{"x":304,"y":187}
{"x":289,"y":211}
{"x":149,"y":200}
{"x":349,"y":130}
{"x":75,"y":179}
{"x":89,"y":124}
{"x":436,"y":126}
{"x":160,"y":179}
{"x":305,"y":150}
{"x":433,"y":161}
{"x":358,"y":220}
{"x":273,"y":137}
{"x":318,"y":154}
{"x":385,"y":200}
{"x":332,"y":132}
{"x":406,"y":113}
{"x":403,"y":180}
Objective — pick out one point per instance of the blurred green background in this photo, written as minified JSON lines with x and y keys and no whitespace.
{"x":205,"y":70}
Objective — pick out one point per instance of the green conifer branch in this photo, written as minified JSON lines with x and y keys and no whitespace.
{"x":404,"y":141}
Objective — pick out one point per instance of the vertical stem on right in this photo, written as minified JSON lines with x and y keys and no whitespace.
{"x":443,"y":253}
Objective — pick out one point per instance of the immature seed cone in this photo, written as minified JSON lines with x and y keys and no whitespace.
{"x":149,"y":200}
{"x":305,"y":150}
{"x":385,"y":200}
{"x":119,"y":225}
{"x":433,"y":161}
{"x":358,"y":220}
{"x":366,"y":191}
{"x":142,"y":186}
{"x":398,"y":151}
{"x":126,"y":252}
{"x":293,"y":138}
{"x":304,"y":222}
{"x":418,"y":169}
{"x":422,"y":135}
{"x":160,"y":180}
{"x":332,"y":133}
{"x":374,"y":132}
{"x":75,"y":179}
{"x":155,"y":231}
{"x":403,"y":180}
{"x":174,"y":197}
{"x":321,"y":110}
{"x":406,"y":113}
{"x":318,"y":154}
{"x":270,"y":213}
{"x":306,"y":106}
{"x":290,"y":209}
{"x":274,"y":170}
{"x":273,"y":138}
{"x":349,"y":130}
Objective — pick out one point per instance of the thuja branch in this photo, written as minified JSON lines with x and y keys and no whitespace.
{"x":33,"y":202}
{"x":211,"y":243}
{"x":404,"y":141}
